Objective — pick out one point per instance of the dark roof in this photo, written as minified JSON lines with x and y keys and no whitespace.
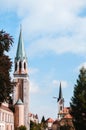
{"x":56,"y":122}
{"x":60,"y":93}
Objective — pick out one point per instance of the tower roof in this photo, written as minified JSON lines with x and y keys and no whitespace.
{"x":20,"y":54}
{"x":60,"y":92}
{"x":19,"y":102}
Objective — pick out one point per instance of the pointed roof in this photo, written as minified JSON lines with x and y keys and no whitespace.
{"x":20,"y":54}
{"x":60,"y":93}
{"x":19,"y":102}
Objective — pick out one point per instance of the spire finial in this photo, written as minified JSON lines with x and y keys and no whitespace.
{"x":20,"y":27}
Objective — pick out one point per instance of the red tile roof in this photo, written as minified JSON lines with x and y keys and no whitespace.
{"x":50,"y":120}
{"x":68,"y":116}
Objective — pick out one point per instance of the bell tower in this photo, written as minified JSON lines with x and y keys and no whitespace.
{"x":21,"y":88}
{"x":20,"y":59}
{"x":60,"y":102}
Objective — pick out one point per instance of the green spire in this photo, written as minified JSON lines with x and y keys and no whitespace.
{"x":60,"y":93}
{"x":20,"y":49}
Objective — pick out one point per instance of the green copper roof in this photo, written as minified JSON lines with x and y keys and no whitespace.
{"x":19,"y":102}
{"x":20,"y":49}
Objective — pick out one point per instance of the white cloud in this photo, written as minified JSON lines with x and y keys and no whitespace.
{"x":49,"y":25}
{"x":58,"y":46}
{"x":81,"y":65}
{"x":51,"y":15}
{"x":56,"y":25}
{"x":56,"y":83}
{"x":34,"y":88}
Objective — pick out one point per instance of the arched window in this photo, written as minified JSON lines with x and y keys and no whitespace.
{"x":20,"y":65}
{"x":15,"y":66}
{"x":24,"y":65}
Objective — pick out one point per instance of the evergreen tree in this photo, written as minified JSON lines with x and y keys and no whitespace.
{"x":43,"y":120}
{"x":43,"y":123}
{"x":78,"y":101}
{"x":35,"y":126}
{"x":6,"y":86}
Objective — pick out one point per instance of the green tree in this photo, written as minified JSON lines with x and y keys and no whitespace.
{"x":22,"y":127}
{"x":38,"y":126}
{"x":43,"y":123}
{"x":35,"y":126}
{"x":6,"y":86}
{"x":43,"y":120}
{"x":78,"y":102}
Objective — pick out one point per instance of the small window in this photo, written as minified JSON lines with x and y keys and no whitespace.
{"x":60,"y":107}
{"x":2,"y":116}
{"x":15,"y":66}
{"x":20,"y":65}
{"x":24,"y":65}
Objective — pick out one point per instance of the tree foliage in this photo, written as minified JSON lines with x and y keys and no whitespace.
{"x":43,"y":120}
{"x":43,"y":123}
{"x":35,"y":126}
{"x":6,"y":86}
{"x":22,"y":127}
{"x":38,"y":126}
{"x":78,"y":101}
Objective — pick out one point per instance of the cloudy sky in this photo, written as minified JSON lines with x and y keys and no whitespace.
{"x":54,"y":33}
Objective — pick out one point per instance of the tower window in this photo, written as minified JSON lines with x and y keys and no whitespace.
{"x":24,"y":65}
{"x":61,"y":108}
{"x":15,"y":66}
{"x":20,"y":65}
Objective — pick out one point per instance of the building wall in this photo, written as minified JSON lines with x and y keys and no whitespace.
{"x":19,"y":115}
{"x":33,"y":118}
{"x":26,"y":102}
{"x":21,"y":91}
{"x":6,"y":118}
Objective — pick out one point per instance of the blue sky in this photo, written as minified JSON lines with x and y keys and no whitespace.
{"x":54,"y":34}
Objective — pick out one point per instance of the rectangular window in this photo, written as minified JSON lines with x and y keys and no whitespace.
{"x":61,"y":108}
{"x":2,"y":116}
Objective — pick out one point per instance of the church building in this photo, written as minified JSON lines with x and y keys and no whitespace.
{"x":64,"y":119}
{"x":60,"y":102}
{"x":63,"y":112}
{"x":21,"y":90}
{"x":10,"y":120}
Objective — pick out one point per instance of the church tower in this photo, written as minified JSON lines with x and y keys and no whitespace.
{"x":21,"y":89}
{"x":60,"y":102}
